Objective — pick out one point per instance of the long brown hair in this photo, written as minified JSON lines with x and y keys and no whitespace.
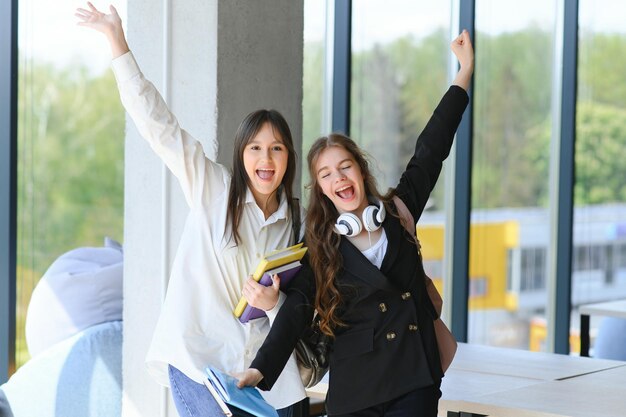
{"x":320,"y":235}
{"x":248,"y":129}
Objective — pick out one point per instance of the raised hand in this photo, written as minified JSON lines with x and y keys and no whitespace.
{"x":108,"y":24}
{"x":462,"y":48}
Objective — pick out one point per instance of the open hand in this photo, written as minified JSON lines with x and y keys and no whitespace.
{"x":260,"y":296}
{"x":95,"y":19}
{"x":108,"y":24}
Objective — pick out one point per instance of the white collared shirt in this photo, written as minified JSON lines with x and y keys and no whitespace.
{"x":376,"y":252}
{"x":197,"y":326}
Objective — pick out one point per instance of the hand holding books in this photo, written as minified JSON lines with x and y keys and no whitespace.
{"x":261,"y":295}
{"x":285,"y":263}
{"x":224,"y":389}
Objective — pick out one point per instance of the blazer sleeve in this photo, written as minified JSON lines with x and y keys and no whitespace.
{"x":431,"y":149}
{"x":294,"y":316}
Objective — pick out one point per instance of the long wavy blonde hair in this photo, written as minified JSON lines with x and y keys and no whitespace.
{"x":321,"y":237}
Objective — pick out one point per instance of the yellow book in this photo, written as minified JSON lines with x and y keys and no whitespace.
{"x":269,"y":261}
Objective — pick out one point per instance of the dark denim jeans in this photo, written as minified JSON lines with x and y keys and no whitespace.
{"x":195,"y":400}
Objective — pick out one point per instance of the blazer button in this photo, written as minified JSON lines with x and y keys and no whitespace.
{"x":382,"y":307}
{"x":406,"y":295}
{"x":391,"y":336}
{"x":413,"y":327}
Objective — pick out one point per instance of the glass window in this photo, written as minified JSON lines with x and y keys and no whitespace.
{"x":512,"y":132}
{"x":400,"y":53}
{"x":533,"y":271}
{"x":70,"y":144}
{"x":599,"y":273}
{"x":314,"y":75}
{"x":400,"y":67}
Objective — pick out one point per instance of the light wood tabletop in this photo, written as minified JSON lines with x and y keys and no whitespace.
{"x":570,"y":397}
{"x":609,"y":308}
{"x":614,"y":377}
{"x":460,"y":385}
{"x":525,"y":364}
{"x":514,"y":383}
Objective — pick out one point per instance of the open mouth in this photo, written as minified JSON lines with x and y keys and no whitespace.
{"x":345,"y":193}
{"x":265,"y":174}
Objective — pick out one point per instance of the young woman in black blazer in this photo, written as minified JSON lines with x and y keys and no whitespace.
{"x":363,"y":274}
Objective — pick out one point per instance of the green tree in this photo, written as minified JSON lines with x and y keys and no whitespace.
{"x":512,"y":99}
{"x":395,"y":88}
{"x":71,"y":164}
{"x":600,"y":154}
{"x":602,"y":65}
{"x":70,"y":169}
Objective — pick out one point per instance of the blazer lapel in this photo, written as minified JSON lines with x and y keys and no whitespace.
{"x":355,"y":263}
{"x":394,"y":232}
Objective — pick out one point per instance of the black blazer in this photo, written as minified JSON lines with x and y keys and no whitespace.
{"x":389,"y":346}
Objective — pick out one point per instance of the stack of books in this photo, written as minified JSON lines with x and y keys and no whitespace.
{"x":285,"y":263}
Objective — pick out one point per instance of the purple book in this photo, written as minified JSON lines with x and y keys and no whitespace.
{"x":286,"y":273}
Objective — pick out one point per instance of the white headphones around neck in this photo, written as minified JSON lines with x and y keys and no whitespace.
{"x":349,"y":224}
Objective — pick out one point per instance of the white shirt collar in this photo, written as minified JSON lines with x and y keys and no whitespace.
{"x":279,"y":214}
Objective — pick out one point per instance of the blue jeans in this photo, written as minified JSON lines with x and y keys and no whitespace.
{"x":195,"y":400}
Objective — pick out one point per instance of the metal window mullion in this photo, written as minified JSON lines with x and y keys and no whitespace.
{"x":562,"y":181}
{"x":458,"y":233}
{"x":8,"y":184}
{"x":342,"y":58}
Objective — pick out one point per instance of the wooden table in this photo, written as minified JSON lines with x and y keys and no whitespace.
{"x":610,"y":309}
{"x":614,"y":377}
{"x":490,"y":381}
{"x":526,"y":364}
{"x":571,"y":397}
{"x":459,"y":384}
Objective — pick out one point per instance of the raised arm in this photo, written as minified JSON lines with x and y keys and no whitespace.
{"x":183,"y":154}
{"x":434,"y":142}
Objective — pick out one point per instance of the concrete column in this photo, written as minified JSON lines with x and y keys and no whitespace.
{"x":214,"y":62}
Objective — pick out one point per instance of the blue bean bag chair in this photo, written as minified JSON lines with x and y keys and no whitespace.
{"x":78,"y":377}
{"x":74,"y":336}
{"x":611,"y":339}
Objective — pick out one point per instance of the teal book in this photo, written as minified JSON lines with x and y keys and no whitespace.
{"x":224,"y":389}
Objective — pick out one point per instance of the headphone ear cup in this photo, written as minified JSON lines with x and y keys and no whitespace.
{"x":348,"y":224}
{"x":370,"y":218}
{"x":380,"y":216}
{"x":373,"y":217}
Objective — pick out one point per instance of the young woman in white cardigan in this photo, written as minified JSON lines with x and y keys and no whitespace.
{"x":234,"y":218}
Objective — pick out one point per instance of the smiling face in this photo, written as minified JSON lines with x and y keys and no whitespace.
{"x":265,"y":159}
{"x":340,"y":179}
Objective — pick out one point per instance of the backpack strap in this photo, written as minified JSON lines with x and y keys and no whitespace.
{"x":296,"y":221}
{"x":407,"y":221}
